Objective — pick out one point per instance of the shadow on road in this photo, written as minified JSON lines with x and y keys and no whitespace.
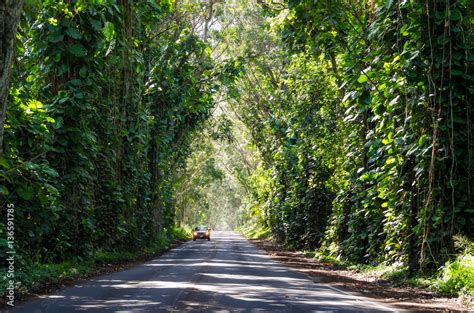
{"x":227,"y":274}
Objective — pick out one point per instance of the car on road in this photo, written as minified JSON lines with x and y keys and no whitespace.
{"x":202,"y":232}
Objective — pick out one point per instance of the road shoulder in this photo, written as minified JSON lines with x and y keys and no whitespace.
{"x":380,"y":290}
{"x":48,"y":288}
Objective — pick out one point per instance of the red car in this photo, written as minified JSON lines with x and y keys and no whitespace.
{"x":202,"y":232}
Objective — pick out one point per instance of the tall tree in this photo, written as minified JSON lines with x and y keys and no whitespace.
{"x":10,"y":11}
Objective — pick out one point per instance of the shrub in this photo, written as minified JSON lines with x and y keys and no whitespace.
{"x":457,"y":277}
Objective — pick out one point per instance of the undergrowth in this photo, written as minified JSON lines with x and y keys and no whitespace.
{"x":454,"y":278}
{"x":254,"y":232}
{"x":457,"y":276}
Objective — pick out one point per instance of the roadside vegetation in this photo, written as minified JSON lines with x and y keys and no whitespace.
{"x":103,"y":102}
{"x":342,"y":128}
{"x":252,"y":232}
{"x":360,"y":133}
{"x":454,"y":278}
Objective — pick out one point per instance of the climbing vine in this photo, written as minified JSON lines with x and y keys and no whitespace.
{"x":105,"y":99}
{"x":364,"y":123}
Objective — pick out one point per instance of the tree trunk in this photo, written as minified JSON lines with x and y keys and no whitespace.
{"x":10,"y":11}
{"x":208,"y":19}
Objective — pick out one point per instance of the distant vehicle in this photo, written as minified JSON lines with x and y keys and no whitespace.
{"x":202,"y":232}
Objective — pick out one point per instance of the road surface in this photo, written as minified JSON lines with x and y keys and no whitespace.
{"x":226,"y":274}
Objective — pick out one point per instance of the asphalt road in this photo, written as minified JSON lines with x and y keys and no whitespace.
{"x":226,"y":274}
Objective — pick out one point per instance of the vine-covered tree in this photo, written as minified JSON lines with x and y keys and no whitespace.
{"x":333,"y":125}
{"x":10,"y":11}
{"x":361,"y":112}
{"x":104,"y":101}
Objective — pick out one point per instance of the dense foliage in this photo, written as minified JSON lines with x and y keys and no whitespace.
{"x":340,"y":126}
{"x":362,"y":113}
{"x":104,"y":99}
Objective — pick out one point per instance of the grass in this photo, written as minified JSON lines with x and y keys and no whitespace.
{"x":183,"y":232}
{"x":34,"y":277}
{"x":113,"y":257}
{"x":455,"y":278}
{"x":399,"y":273}
{"x":254,"y":232}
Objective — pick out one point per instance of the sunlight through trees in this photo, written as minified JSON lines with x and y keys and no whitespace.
{"x":338,"y":126}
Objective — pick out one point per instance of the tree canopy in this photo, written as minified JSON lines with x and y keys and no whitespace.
{"x":340,"y":126}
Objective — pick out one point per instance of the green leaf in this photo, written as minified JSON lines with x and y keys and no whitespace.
{"x":109,"y":31}
{"x":73,"y":33}
{"x":56,"y":37}
{"x":79,"y":95}
{"x":440,"y":15}
{"x":442,"y":39}
{"x":77,"y":50}
{"x":58,"y":123}
{"x":3,"y":191}
{"x":50,"y":171}
{"x":97,"y":25}
{"x":4,"y":163}
{"x":83,"y":72}
{"x":75,"y":82}
{"x":455,"y":15}
{"x":362,"y":78}
{"x":25,"y":192}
